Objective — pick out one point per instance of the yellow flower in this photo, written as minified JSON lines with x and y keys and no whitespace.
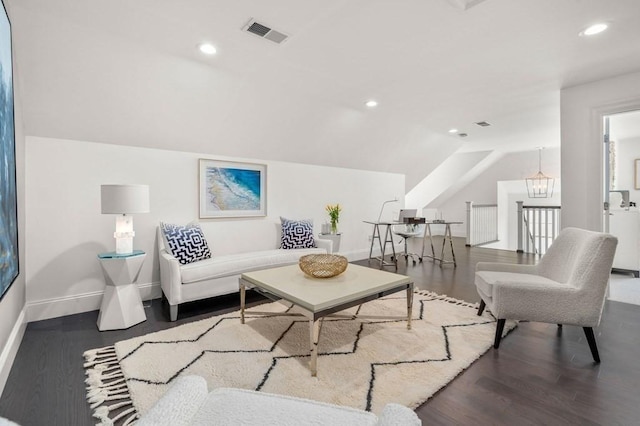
{"x":334,"y":212}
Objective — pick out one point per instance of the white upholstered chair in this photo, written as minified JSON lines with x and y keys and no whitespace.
{"x":188,"y":402}
{"x":567,"y":286}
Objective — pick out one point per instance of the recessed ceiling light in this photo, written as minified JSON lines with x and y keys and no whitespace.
{"x":453,"y":130}
{"x":371,"y":104}
{"x":594,"y":29}
{"x":207,"y":48}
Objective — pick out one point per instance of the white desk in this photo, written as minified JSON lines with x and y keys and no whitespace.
{"x":447,"y":236}
{"x":388,"y":239}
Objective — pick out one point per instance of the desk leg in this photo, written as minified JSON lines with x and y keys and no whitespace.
{"x":314,"y":335}
{"x":388,"y":238}
{"x":453,"y":254}
{"x":242,"y":299}
{"x":444,"y":244}
{"x":382,"y":246}
{"x":433,"y":251}
{"x":376,"y":234}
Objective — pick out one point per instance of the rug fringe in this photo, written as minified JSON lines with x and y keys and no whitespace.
{"x":106,"y":383}
{"x":446,"y":298}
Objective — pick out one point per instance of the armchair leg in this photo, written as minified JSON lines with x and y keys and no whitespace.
{"x":481,"y":307}
{"x":591,"y":338}
{"x":499,"y":330}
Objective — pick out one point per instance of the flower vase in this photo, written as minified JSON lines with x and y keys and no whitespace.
{"x":334,"y":227}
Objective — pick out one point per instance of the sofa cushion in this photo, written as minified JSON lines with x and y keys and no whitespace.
{"x":297,"y":234}
{"x":485,"y":280}
{"x":185,"y":243}
{"x":233,"y":264}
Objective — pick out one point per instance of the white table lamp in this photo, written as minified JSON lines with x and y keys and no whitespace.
{"x":124,"y":200}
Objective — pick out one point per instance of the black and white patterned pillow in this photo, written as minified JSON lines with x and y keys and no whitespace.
{"x":185,"y":243}
{"x":297,"y":234}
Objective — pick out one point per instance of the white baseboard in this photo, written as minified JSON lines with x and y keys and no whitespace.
{"x":68,"y":305}
{"x":11,"y":348}
{"x":364,"y":253}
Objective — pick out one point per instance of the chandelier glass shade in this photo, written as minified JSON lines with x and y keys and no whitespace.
{"x":540,"y":185}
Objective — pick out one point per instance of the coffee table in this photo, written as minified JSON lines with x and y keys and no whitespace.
{"x":316,"y":298}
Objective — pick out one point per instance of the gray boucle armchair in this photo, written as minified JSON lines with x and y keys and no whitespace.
{"x":567,"y":286}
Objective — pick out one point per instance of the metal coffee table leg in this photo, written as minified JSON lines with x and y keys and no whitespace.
{"x":314,"y":334}
{"x":242,"y":298}
{"x":409,"y":305}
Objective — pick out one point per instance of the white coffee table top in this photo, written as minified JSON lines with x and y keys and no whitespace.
{"x":318,"y":294}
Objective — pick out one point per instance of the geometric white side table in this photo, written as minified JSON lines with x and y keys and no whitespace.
{"x":121,"y":304}
{"x":335,"y":238}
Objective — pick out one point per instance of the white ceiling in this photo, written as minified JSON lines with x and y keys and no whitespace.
{"x":128,"y":72}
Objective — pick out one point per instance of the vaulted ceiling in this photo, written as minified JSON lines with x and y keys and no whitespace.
{"x":129,"y":72}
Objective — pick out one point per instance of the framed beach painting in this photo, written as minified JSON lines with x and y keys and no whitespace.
{"x":232,"y":189}
{"x":9,"y":265}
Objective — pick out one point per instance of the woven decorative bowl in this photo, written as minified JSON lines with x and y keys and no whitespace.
{"x":323,"y":265}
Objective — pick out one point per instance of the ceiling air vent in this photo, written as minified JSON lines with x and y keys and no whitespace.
{"x":483,"y":124}
{"x":265,"y":32}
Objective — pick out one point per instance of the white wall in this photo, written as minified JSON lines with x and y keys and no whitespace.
{"x":12,"y":317}
{"x":582,"y":108}
{"x":66,"y":229}
{"x":483,"y":190}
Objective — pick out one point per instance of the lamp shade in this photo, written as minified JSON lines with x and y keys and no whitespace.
{"x":123,"y":199}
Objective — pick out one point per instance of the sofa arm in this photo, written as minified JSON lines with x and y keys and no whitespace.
{"x":170,"y":277}
{"x":179,"y":405}
{"x":325,"y":244}
{"x":398,"y":415}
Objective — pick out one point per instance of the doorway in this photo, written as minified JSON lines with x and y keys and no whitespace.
{"x":622,"y":198}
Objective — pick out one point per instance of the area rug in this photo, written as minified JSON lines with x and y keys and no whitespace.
{"x":365,"y":360}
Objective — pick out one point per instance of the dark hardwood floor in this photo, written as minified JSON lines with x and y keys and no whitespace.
{"x":540,"y":374}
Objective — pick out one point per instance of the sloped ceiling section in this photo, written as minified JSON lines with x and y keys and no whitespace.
{"x":128,"y":72}
{"x":451,"y":175}
{"x":471,"y":174}
{"x":85,"y":84}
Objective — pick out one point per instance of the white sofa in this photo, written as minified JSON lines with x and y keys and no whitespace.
{"x":188,"y":402}
{"x":219,"y":275}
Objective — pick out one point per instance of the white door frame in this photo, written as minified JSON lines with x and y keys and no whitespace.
{"x":596,"y":135}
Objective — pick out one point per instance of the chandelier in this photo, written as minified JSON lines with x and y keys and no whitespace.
{"x":540,"y":185}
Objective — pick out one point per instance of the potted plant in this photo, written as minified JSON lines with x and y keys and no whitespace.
{"x":334,"y":216}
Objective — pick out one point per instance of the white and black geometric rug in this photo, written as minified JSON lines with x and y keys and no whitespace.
{"x":362,"y":363}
